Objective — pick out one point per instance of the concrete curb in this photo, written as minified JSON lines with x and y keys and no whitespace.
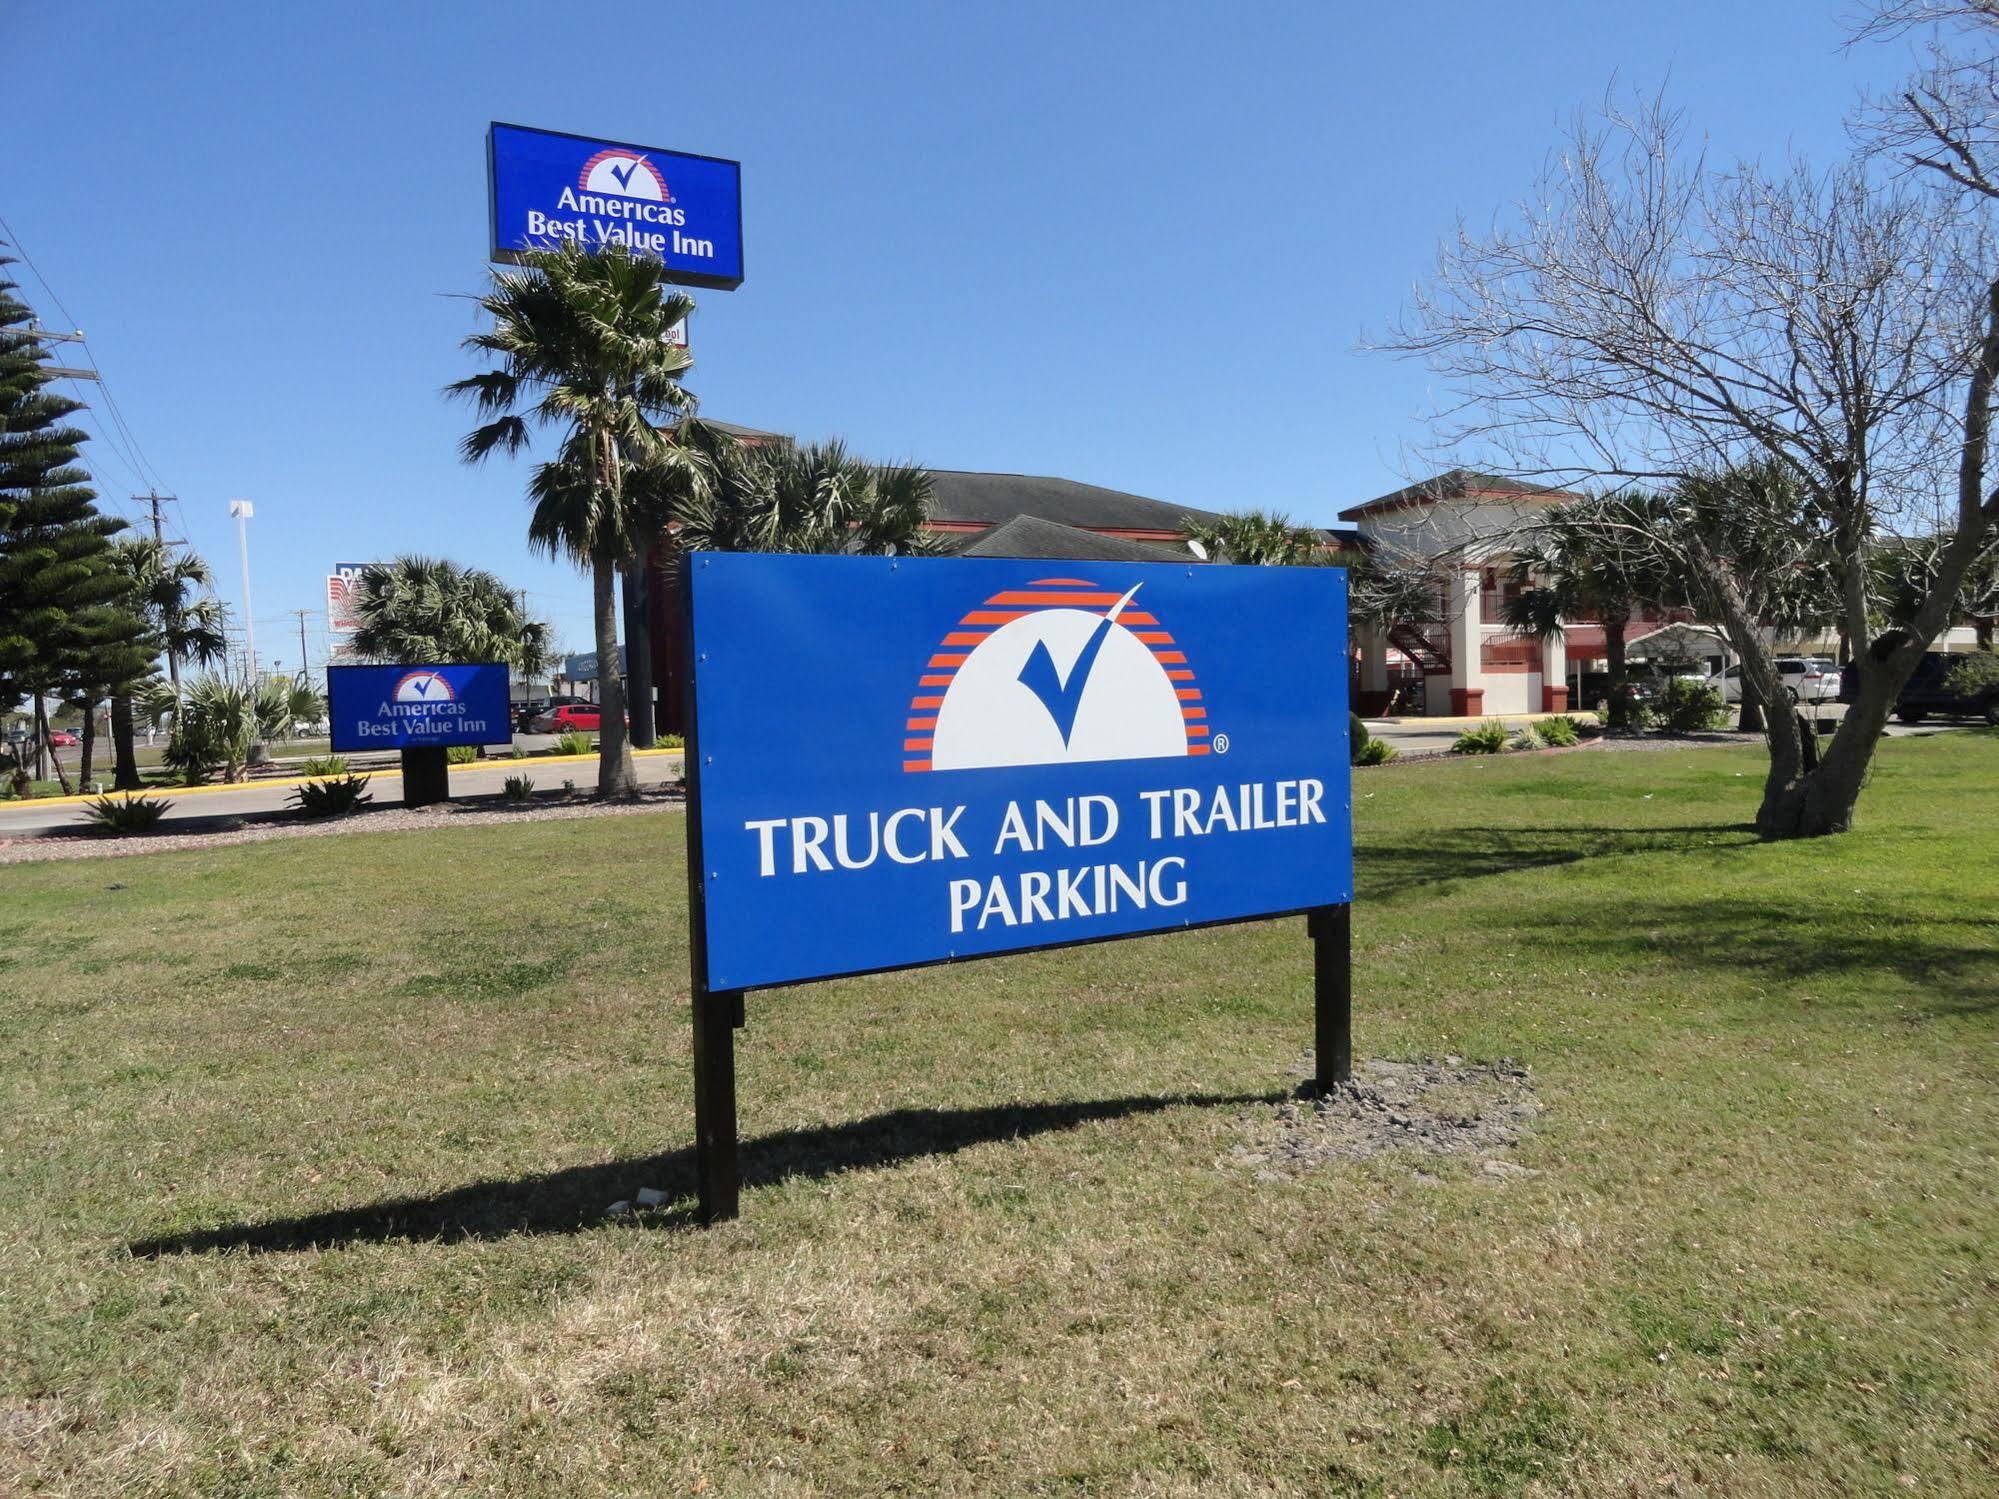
{"x":1416,"y":721}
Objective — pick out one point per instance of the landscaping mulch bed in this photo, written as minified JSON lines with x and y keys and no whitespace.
{"x":1713,"y":739}
{"x":1435,"y":1108}
{"x":262,"y":827}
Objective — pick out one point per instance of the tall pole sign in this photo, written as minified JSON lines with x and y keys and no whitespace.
{"x":684,"y":210}
{"x":1004,"y":755}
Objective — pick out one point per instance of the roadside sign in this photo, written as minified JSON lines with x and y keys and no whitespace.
{"x":915,"y":760}
{"x":417,"y":707}
{"x":682,"y":209}
{"x":341,"y":597}
{"x":894,"y":762}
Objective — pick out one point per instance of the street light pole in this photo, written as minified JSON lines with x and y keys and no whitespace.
{"x":241,"y":511}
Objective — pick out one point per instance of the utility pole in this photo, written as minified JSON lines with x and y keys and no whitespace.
{"x":240,"y":511}
{"x":301,"y":613}
{"x":155,"y":499}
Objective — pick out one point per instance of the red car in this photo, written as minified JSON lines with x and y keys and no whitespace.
{"x":582,"y":718}
{"x":63,"y":739}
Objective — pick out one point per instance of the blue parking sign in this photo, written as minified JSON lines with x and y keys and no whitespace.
{"x":913,"y":760}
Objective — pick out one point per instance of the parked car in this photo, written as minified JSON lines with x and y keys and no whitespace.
{"x":1808,"y":679}
{"x":526,"y":712}
{"x":63,"y":739}
{"x":1924,"y":693}
{"x":1641,"y":685}
{"x":564,"y":718}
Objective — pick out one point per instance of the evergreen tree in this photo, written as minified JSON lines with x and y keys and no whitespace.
{"x":64,"y":629}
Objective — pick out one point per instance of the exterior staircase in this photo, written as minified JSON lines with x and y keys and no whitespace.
{"x":1431,"y":655}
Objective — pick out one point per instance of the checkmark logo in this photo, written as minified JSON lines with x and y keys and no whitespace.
{"x":1063,"y":696}
{"x":624,"y":173}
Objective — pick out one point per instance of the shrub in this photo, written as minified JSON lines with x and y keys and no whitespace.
{"x":1357,"y":740}
{"x":517,"y":788}
{"x":1375,"y":752}
{"x":1559,"y":733}
{"x":1486,"y":739}
{"x":127,"y":814}
{"x":1686,"y":707}
{"x":672,"y":741}
{"x":516,"y":752}
{"x":217,"y":722}
{"x":1972,"y":675}
{"x":575,"y":742}
{"x":332,"y":797}
{"x":569,"y":788}
{"x":324,"y":765}
{"x":1526,"y":738}
{"x":461,"y":754}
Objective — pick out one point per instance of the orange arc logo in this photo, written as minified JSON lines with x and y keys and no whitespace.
{"x":941,"y":669}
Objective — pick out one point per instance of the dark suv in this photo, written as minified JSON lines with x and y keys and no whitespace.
{"x":1924,"y":693}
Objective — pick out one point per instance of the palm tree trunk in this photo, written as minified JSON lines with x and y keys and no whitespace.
{"x":616,"y":776}
{"x":638,"y":652}
{"x":125,"y":773}
{"x":1614,"y":628}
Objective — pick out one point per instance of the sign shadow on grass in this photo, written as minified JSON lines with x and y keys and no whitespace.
{"x":1382,"y":870}
{"x":574,"y":1199}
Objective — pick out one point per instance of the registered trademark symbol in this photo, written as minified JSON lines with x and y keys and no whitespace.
{"x":1221,"y":744}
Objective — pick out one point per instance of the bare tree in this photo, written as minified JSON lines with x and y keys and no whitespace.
{"x":1652,"y":320}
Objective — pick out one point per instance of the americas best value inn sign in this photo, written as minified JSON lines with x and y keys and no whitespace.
{"x":909,"y":761}
{"x":417,"y":707}
{"x":682,"y":209}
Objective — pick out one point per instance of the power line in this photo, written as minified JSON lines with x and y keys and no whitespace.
{"x":147,"y":474}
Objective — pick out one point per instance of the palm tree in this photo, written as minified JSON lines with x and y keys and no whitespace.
{"x":1575,"y":564}
{"x":1257,"y":538}
{"x":217,"y":720}
{"x":425,"y":609}
{"x":581,"y":341}
{"x":169,"y":590}
{"x":781,"y":497}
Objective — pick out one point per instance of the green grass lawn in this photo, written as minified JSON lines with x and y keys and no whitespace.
{"x":306,"y":1145}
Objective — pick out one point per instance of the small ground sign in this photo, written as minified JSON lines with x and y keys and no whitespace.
{"x":903,"y":761}
{"x":417,"y":707}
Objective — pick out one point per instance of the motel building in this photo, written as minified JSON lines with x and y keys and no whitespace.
{"x":1461,"y":524}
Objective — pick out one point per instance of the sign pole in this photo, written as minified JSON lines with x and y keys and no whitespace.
{"x":1331,"y":929}
{"x":717,"y":1014}
{"x":716,"y":1017}
{"x":426,"y":775}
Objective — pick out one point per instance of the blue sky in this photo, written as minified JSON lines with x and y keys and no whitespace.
{"x":1132,"y":244}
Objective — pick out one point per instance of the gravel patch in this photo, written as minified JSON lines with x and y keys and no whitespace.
{"x":263,"y":827}
{"x":1718,"y":739}
{"x":1447,"y":1108}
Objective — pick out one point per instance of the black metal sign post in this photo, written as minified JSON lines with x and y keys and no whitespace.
{"x":1331,"y":930}
{"x":717,"y":1015}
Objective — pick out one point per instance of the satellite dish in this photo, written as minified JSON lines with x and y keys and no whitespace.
{"x":1197,"y":549}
